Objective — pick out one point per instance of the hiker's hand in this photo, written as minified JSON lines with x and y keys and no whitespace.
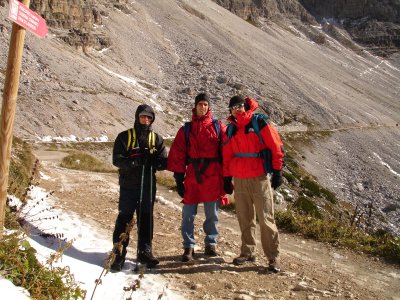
{"x":180,"y":187}
{"x":276,"y":180}
{"x":136,"y":161}
{"x":228,"y":186}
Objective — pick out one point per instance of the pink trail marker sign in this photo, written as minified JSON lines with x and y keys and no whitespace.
{"x":27,"y":18}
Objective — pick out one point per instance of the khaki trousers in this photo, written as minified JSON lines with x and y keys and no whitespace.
{"x":253,"y":196}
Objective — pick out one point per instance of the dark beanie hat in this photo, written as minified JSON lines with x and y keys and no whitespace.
{"x":201,"y":97}
{"x":235,"y":100}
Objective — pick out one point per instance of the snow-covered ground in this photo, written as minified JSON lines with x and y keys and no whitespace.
{"x":85,"y":257}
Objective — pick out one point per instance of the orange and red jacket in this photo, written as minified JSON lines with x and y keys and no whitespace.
{"x":203,"y":143}
{"x":246,"y":140}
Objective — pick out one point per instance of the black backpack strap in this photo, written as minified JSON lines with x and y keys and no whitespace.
{"x":230,"y":132}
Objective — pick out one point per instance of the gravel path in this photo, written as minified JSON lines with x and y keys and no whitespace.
{"x":311,"y":270}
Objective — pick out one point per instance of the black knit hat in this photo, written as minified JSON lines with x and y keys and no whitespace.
{"x":235,"y":100}
{"x":201,"y":97}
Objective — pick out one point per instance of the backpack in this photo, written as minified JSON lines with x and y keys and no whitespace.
{"x":255,"y":119}
{"x":188,"y":125}
{"x":132,"y":140}
{"x":204,"y":161}
{"x":265,"y":154}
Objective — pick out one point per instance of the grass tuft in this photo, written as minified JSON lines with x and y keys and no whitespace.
{"x":18,"y":261}
{"x":18,"y":264}
{"x":86,"y":162}
{"x":340,"y":234}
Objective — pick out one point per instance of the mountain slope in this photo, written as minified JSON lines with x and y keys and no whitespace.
{"x":164,"y":53}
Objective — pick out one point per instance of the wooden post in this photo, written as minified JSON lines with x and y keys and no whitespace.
{"x":11,"y":84}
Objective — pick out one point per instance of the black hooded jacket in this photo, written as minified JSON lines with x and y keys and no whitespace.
{"x":130,"y":162}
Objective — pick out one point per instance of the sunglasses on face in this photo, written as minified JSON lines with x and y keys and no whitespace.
{"x":146,"y":117}
{"x":238,"y":106}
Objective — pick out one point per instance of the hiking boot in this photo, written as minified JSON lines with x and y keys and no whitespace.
{"x":119,"y":259}
{"x":147,"y":258}
{"x":244,"y":258}
{"x":188,"y":254}
{"x":118,"y":263}
{"x":274,"y":266}
{"x":210,"y":250}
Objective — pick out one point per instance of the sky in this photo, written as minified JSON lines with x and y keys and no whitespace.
{"x":85,"y":257}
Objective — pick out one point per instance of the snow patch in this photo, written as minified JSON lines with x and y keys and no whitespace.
{"x":85,"y":258}
{"x":386,"y":165}
{"x":140,"y":89}
{"x":72,"y":138}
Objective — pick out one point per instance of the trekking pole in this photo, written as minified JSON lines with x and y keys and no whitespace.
{"x":138,"y":266}
{"x":151,"y":204}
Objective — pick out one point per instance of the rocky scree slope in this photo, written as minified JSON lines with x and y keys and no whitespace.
{"x":103,"y":58}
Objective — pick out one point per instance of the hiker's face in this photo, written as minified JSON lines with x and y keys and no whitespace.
{"x":237,"y":108}
{"x":201,"y":108}
{"x":145,"y":120}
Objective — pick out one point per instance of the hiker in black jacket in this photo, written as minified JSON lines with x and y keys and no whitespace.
{"x":138,"y":153}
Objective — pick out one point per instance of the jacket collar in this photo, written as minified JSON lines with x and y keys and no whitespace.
{"x":195,"y":118}
{"x":244,"y":118}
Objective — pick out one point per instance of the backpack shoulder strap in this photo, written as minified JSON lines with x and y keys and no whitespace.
{"x":152,"y":141}
{"x":256,"y":119}
{"x":230,"y":131}
{"x":131,"y":139}
{"x":186,"y":128}
{"x":217,"y":127}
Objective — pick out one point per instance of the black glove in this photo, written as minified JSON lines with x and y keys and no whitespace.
{"x":180,"y":187}
{"x":228,"y":186}
{"x":136,"y":161}
{"x":276,"y":180}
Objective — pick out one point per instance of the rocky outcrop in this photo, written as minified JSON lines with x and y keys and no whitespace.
{"x":374,"y":24}
{"x":68,"y":14}
{"x":76,"y":19}
{"x":385,"y":11}
{"x":252,"y":10}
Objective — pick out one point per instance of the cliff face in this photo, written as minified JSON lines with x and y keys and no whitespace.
{"x":384,"y":11}
{"x":375,"y":24}
{"x":252,"y":10}
{"x":68,"y":13}
{"x":74,"y":21}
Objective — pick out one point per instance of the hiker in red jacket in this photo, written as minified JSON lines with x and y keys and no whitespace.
{"x":253,"y":151}
{"x":195,"y":159}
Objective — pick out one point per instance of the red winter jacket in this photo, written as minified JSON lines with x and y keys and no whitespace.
{"x":245,"y":140}
{"x":203,"y":143}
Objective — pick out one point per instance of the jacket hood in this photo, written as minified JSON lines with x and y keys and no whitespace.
{"x":243,"y":118}
{"x":142,"y":108}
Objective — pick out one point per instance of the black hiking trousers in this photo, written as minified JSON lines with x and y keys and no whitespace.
{"x":129,"y":203}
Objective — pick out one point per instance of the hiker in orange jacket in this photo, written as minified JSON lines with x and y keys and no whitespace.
{"x":251,"y":153}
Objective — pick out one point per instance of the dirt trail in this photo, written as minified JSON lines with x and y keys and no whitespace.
{"x":311,"y":270}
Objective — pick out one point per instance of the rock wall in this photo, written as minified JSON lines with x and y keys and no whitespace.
{"x":375,"y":24}
{"x":270,"y":9}
{"x":68,"y":14}
{"x":381,"y":10}
{"x":75,"y":20}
